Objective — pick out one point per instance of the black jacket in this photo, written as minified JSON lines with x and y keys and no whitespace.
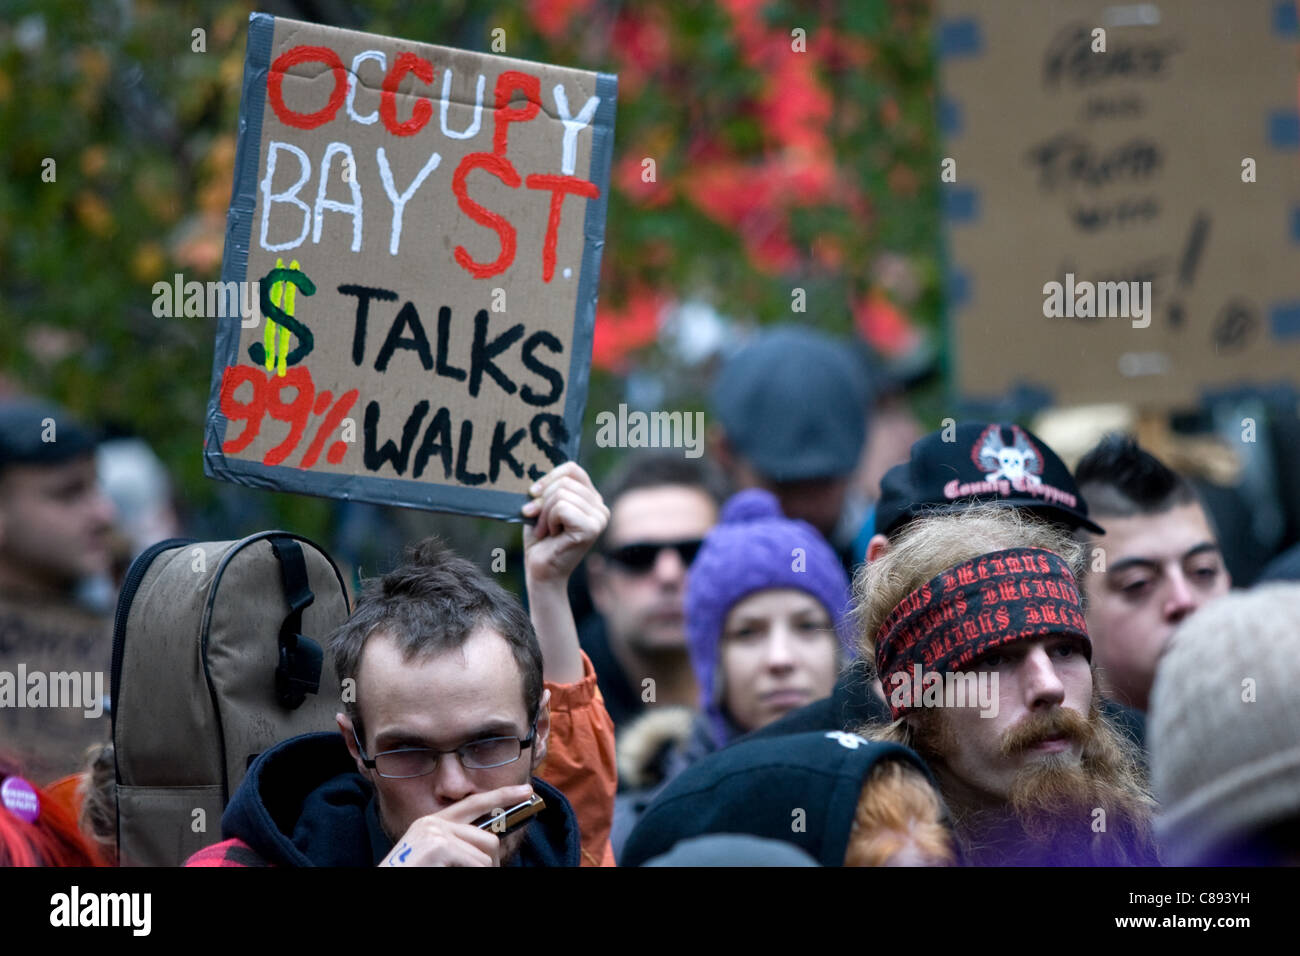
{"x":302,"y":803}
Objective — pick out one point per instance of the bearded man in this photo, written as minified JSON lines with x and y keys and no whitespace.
{"x":1033,"y":772}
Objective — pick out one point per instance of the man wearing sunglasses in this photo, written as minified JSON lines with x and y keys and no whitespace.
{"x":450,"y":715}
{"x":661,"y":507}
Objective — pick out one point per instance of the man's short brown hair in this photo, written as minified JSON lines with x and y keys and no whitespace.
{"x":435,"y":602}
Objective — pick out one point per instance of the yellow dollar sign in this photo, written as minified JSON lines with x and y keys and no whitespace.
{"x":284,"y":295}
{"x":269,"y":335}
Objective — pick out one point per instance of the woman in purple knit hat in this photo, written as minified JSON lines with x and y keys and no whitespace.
{"x":767,"y":629}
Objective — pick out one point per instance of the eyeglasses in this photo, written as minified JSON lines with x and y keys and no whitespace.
{"x":418,"y":761}
{"x":642,"y":556}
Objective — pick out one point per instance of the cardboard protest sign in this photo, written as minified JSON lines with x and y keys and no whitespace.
{"x":426,"y":226}
{"x":1121,"y":194}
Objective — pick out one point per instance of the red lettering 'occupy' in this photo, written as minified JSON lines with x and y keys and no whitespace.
{"x":507,"y":83}
{"x":423,"y":109}
{"x":275,"y":82}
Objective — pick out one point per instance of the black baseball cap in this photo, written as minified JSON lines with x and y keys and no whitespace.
{"x":793,"y":402}
{"x":38,"y":433}
{"x":981,"y":463}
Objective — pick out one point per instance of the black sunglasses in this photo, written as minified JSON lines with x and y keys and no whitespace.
{"x":641,"y":556}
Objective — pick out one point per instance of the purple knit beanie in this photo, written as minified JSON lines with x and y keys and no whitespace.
{"x":752,"y":548}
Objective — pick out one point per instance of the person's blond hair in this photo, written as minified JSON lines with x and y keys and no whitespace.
{"x":98,"y":816}
{"x":934,"y":544}
{"x":899,"y":811}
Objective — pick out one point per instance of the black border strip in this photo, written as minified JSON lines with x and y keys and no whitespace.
{"x":584,"y":318}
{"x":239,"y":229}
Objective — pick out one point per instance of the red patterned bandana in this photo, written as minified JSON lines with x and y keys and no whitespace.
{"x":972,"y":608}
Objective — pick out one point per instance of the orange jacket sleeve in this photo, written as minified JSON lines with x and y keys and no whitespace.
{"x":580,"y":761}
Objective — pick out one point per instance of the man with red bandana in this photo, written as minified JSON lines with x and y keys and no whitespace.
{"x":1037,"y":774}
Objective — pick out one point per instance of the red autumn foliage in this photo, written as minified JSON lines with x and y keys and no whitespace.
{"x":554,"y":18}
{"x":642,"y":47}
{"x":884,"y":326}
{"x":620,"y":331}
{"x":628,"y":177}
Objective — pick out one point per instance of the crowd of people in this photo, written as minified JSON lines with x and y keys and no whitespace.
{"x":999,"y":661}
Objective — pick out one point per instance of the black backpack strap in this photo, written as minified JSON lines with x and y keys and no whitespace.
{"x":301,"y":658}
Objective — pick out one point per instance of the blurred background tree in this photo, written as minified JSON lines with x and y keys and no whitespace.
{"x":760,"y":148}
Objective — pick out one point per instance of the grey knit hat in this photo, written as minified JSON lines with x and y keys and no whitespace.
{"x":1224,"y":725}
{"x":793,"y":401}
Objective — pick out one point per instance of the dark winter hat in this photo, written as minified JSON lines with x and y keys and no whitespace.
{"x":756,"y":787}
{"x":997,"y":464}
{"x":38,"y":433}
{"x":794,"y":403}
{"x":752,"y":548}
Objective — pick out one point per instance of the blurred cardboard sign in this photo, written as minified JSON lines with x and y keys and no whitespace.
{"x":426,"y":226}
{"x":1169,"y":157}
